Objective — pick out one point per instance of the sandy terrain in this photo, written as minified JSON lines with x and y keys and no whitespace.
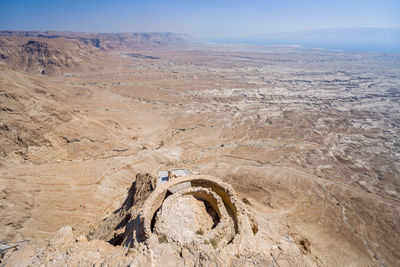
{"x":311,"y":137}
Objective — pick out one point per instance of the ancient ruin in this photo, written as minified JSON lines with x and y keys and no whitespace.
{"x":219,"y":198}
{"x":195,"y":212}
{"x":102,"y":149}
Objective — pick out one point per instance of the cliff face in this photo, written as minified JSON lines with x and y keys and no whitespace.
{"x":106,"y":41}
{"x":52,"y":53}
{"x":308,"y":139}
{"x":184,"y":240}
{"x":46,"y":57}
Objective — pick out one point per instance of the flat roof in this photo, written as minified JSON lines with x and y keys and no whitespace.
{"x":178,"y":172}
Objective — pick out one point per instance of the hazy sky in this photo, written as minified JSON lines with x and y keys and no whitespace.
{"x":201,"y":18}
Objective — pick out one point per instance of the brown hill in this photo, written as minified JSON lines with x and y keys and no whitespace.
{"x":131,"y":40}
{"x":308,"y":139}
{"x":63,"y":52}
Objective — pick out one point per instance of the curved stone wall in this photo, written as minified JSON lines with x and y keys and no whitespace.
{"x":223,"y":230}
{"x":219,"y":195}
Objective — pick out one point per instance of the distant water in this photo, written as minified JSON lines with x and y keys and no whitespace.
{"x":390,"y":47}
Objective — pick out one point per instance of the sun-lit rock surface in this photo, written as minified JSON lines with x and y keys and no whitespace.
{"x":308,"y":139}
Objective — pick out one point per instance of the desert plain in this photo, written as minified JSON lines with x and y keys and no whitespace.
{"x":308,"y":138}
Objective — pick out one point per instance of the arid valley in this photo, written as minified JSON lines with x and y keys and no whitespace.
{"x":309,"y":139}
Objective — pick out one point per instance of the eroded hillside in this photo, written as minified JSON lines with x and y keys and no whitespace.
{"x":307,"y":138}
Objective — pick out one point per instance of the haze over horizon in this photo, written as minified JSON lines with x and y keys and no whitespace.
{"x":200,"y":133}
{"x":205,"y":19}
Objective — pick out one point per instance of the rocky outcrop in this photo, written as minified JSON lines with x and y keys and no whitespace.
{"x":91,"y":41}
{"x":106,"y":41}
{"x":68,"y":250}
{"x":39,"y":56}
{"x":55,"y":53}
{"x":115,"y":228}
{"x":200,"y":224}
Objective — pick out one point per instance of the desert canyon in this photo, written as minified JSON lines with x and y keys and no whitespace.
{"x":301,"y":145}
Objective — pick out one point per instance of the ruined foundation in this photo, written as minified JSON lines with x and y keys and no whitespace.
{"x":228,"y":214}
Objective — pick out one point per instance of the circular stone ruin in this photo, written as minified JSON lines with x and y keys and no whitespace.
{"x":196,"y":208}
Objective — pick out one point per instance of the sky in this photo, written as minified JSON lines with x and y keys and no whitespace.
{"x":201,"y":18}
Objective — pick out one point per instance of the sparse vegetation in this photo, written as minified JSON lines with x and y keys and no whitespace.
{"x":200,"y":232}
{"x":162,"y":238}
{"x":214,"y":242}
